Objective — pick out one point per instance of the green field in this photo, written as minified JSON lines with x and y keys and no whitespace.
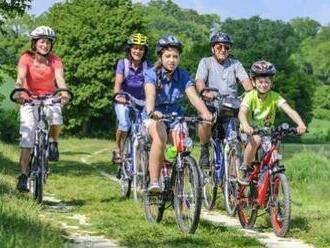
{"x":77,"y":182}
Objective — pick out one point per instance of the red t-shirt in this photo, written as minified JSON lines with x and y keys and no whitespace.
{"x":40,"y":79}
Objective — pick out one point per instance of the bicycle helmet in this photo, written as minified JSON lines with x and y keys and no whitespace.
{"x":168,"y":41}
{"x":219,"y":37}
{"x":43,"y":32}
{"x":262,"y":68}
{"x":137,"y":39}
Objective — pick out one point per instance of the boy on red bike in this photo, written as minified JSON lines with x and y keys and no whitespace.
{"x":258,"y":109}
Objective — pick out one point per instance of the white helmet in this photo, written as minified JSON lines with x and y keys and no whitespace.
{"x":43,"y":32}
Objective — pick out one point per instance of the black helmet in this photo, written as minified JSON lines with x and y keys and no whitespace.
{"x":168,"y":41}
{"x":219,"y":37}
{"x":262,"y":68}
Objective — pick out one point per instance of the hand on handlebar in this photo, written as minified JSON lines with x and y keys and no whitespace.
{"x":121,"y":99}
{"x":248,"y":129}
{"x":209,"y":95}
{"x":207,"y":116}
{"x":65,"y":98}
{"x":156,"y":115}
{"x":301,"y":129}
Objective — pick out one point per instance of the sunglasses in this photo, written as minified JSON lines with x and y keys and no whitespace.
{"x":220,"y":47}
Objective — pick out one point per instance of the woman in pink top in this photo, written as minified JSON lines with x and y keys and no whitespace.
{"x":41,"y":72}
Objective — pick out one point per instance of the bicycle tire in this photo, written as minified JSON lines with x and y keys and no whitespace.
{"x":246,"y":207}
{"x":188,"y":202}
{"x":210,"y":189}
{"x":153,"y":205}
{"x":138,"y":172}
{"x":125,"y":175}
{"x":280,"y":210}
{"x":231,"y":186}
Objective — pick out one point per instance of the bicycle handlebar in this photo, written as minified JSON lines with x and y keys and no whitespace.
{"x":278,"y":132}
{"x":41,"y":97}
{"x":174,"y":117}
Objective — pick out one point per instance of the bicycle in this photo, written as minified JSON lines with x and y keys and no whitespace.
{"x":180,"y":182}
{"x":130,"y":169}
{"x":225,"y":154}
{"x":269,"y":186}
{"x":38,"y":167}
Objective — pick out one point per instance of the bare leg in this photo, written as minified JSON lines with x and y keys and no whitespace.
{"x":157,"y":131}
{"x":24,"y":160}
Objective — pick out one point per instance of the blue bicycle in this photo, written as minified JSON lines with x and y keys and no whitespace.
{"x":225,"y":153}
{"x":131,"y":168}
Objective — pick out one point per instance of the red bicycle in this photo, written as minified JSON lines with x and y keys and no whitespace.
{"x":269,"y":187}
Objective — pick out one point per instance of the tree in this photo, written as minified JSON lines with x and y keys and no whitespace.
{"x":305,"y":27}
{"x":165,"y":17}
{"x":12,"y":8}
{"x":91,"y":37}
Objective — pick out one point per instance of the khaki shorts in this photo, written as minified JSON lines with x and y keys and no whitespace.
{"x":29,"y":119}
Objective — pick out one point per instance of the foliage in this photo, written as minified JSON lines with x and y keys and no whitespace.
{"x":9,"y":125}
{"x":91,"y":35}
{"x":192,"y":28}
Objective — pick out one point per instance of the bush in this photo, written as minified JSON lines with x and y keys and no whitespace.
{"x":9,"y":125}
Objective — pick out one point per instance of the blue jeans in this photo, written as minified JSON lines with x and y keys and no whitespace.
{"x":122,"y":112}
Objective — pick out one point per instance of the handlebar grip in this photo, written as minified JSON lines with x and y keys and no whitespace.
{"x":11,"y":96}
{"x":64,"y":90}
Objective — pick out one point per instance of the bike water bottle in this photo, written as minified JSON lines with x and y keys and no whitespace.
{"x":170,"y":153}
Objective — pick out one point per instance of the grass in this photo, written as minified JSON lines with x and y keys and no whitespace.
{"x":76,"y":180}
{"x":20,"y":224}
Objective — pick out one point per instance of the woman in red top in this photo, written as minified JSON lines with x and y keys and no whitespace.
{"x":41,"y":72}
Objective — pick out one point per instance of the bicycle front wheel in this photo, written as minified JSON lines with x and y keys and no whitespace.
{"x":188,"y":195}
{"x":233,"y":162}
{"x":280,"y":206}
{"x":210,"y":188}
{"x":125,"y":173}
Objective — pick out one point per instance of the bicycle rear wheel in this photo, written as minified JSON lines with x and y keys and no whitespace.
{"x":153,"y":205}
{"x":247,"y":209}
{"x":188,"y":195}
{"x":231,"y":187}
{"x":125,"y":173}
{"x":280,"y":205}
{"x":210,"y":188}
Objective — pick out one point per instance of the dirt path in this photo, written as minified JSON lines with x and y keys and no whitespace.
{"x":268,"y":239}
{"x":76,"y":236}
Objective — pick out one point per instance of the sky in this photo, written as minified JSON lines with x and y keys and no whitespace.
{"x":319,"y":10}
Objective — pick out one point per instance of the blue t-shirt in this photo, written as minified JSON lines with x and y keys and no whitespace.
{"x":169,"y":94}
{"x":134,"y":82}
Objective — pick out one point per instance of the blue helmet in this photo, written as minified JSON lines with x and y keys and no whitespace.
{"x":168,"y":41}
{"x":262,"y":68}
{"x":219,"y":37}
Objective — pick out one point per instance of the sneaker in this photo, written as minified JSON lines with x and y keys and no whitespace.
{"x":242,"y":175}
{"x":204,"y":157}
{"x":53,"y":151}
{"x":154,"y":188}
{"x":22,"y":183}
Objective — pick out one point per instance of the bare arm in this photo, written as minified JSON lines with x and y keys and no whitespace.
{"x":200,"y":85}
{"x":119,"y":79}
{"x":21,"y":76}
{"x":150,"y":92}
{"x":198,"y":103}
{"x":242,"y":116}
{"x":294,"y":116}
{"x":247,"y":84}
{"x":59,"y":77}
